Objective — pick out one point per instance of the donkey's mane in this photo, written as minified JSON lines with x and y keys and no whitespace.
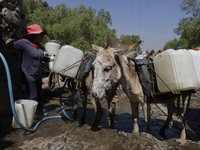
{"x":111,"y":43}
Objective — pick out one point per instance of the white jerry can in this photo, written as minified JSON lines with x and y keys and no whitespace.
{"x":177,"y":70}
{"x":196,"y":60}
{"x":67,"y":61}
{"x":52,"y":47}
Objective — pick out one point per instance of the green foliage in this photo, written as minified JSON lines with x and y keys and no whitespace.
{"x":44,"y":4}
{"x":191,"y":7}
{"x":189,"y":28}
{"x":29,"y":6}
{"x":105,"y":16}
{"x":129,"y":39}
{"x":79,"y":27}
{"x":176,"y":42}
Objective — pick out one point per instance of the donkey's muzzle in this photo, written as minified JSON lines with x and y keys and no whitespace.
{"x":94,"y":94}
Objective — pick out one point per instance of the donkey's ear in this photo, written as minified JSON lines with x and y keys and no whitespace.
{"x":96,"y":48}
{"x":134,"y":46}
{"x":126,"y":49}
{"x":129,"y":54}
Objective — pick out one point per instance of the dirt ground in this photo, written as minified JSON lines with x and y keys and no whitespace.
{"x":61,"y":134}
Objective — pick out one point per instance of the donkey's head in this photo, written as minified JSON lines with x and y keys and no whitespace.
{"x":107,"y":70}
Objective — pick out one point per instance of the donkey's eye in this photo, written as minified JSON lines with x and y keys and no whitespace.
{"x":107,"y":68}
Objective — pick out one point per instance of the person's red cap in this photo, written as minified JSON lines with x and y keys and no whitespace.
{"x":34,"y":29}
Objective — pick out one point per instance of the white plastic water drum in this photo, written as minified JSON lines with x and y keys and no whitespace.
{"x":52,"y":47}
{"x":67,"y":61}
{"x":196,"y":60}
{"x":25,"y":110}
{"x":177,"y":70}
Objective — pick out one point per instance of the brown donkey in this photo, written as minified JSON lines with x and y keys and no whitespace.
{"x":114,"y":64}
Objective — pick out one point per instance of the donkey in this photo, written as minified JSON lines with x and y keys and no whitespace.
{"x":85,"y":90}
{"x":114,"y":64}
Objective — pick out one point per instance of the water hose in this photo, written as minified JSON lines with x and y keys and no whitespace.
{"x":13,"y":106}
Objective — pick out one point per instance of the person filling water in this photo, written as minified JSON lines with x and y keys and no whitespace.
{"x":31,"y":64}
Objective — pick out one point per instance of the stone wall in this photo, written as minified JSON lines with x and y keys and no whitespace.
{"x":12,"y":25}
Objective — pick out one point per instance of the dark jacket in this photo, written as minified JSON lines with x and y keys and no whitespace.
{"x":32,"y":58}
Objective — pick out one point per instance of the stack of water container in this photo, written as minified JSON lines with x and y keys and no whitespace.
{"x":179,"y":69}
{"x":52,"y":47}
{"x":67,"y":61}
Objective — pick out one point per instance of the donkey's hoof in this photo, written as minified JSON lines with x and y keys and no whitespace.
{"x":112,"y":127}
{"x":183,"y":134}
{"x":82,"y":122}
{"x":95,"y":129}
{"x":162,"y":132}
{"x":75,"y":116}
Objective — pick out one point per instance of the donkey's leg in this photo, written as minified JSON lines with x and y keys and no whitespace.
{"x":112,"y":102}
{"x":178,"y":106}
{"x":147,"y":116}
{"x":72,"y":88}
{"x":111,"y":111}
{"x":186,"y":101}
{"x":84,"y":104}
{"x":86,"y":85}
{"x":170,"y":108}
{"x":98,"y":116}
{"x":74,"y":105}
{"x":135,"y":116}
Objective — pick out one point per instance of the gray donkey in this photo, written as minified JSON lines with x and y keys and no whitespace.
{"x":114,"y":64}
{"x":85,"y":90}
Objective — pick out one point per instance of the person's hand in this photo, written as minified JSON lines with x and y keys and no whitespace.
{"x":9,"y":40}
{"x":51,"y":59}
